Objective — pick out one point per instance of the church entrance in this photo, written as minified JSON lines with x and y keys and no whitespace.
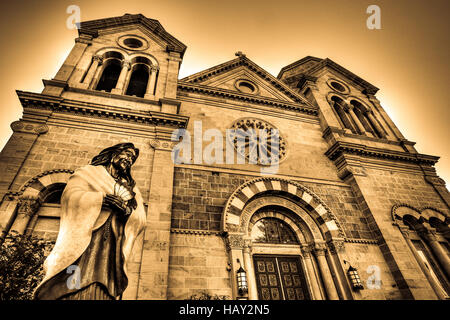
{"x":280,"y":278}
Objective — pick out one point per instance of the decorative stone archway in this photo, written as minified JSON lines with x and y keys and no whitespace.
{"x":320,"y":232}
{"x":32,"y":194}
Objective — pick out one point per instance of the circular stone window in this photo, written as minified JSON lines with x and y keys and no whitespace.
{"x":257,"y":141}
{"x":246,"y":86}
{"x":132,"y":42}
{"x":338,"y":86}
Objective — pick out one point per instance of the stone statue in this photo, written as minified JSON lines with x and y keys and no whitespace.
{"x":102,"y":213}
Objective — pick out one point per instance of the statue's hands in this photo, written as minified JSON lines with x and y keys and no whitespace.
{"x":115,"y":202}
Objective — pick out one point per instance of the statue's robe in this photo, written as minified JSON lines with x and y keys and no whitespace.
{"x":85,"y":224}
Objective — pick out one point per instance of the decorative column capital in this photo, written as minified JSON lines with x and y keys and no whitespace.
{"x":28,"y":206}
{"x":235,"y":241}
{"x":306,"y":250}
{"x":154,"y":68}
{"x":320,"y":249}
{"x":126,"y":64}
{"x":336,"y":246}
{"x":162,"y":144}
{"x":98,"y":58}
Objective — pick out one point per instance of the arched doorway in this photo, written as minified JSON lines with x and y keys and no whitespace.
{"x":302,"y":239}
{"x":278,"y":263}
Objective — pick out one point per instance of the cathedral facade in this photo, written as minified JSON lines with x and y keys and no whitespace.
{"x":351,"y":210}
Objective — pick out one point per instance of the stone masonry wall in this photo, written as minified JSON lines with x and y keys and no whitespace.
{"x":197,"y":263}
{"x":200,"y":196}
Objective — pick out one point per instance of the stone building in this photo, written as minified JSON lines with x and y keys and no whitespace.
{"x":350,"y":191}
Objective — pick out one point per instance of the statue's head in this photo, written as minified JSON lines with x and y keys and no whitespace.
{"x":121,"y":156}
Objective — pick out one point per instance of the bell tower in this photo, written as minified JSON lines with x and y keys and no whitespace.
{"x":117,"y":84}
{"x":130,"y":59}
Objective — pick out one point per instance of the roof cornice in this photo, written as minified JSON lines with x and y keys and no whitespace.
{"x":230,"y":94}
{"x":57,"y":104}
{"x":340,"y":148}
{"x":368,"y":88}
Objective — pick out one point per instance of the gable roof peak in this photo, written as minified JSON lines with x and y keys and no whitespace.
{"x":92,"y":27}
{"x":243,"y":60}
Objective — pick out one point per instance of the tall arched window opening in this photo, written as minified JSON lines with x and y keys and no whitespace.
{"x":138,"y":81}
{"x":368,"y":122}
{"x":427,"y":250}
{"x":110,"y":75}
{"x":45,"y":222}
{"x":342,"y":114}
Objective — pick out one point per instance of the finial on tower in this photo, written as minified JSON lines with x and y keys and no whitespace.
{"x":240,"y":54}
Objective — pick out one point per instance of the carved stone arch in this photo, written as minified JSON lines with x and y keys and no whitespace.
{"x":300,"y":222}
{"x":36,"y":186}
{"x":102,"y":51}
{"x":151,"y":58}
{"x":401,"y":210}
{"x":358,"y":100}
{"x":336,"y":94}
{"x":429,"y":212}
{"x":312,"y":204}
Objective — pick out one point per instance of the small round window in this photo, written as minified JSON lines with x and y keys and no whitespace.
{"x":338,"y":86}
{"x":132,"y":42}
{"x":246,"y":86}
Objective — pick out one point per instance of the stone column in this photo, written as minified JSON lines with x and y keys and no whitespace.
{"x":7,"y":215}
{"x":320,"y":250}
{"x":375,"y":123}
{"x":153,"y":278}
{"x":438,"y":290}
{"x":149,"y":93}
{"x":343,"y":116}
{"x":126,"y":65}
{"x":96,"y":62}
{"x":315,"y":289}
{"x":430,"y":236}
{"x":248,"y":265}
{"x":27,"y":208}
{"x":172,"y":75}
{"x":342,"y":287}
{"x":235,"y":246}
{"x":356,"y":119}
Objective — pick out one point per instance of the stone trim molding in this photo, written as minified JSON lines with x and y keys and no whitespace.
{"x":34,"y":186}
{"x":28,"y":127}
{"x":424,"y":213}
{"x":340,"y":148}
{"x":249,"y":98}
{"x":361,"y":241}
{"x":315,"y":207}
{"x":55,"y":104}
{"x":197,"y":232}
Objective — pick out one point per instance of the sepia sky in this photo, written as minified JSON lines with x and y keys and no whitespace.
{"x":408,"y":59}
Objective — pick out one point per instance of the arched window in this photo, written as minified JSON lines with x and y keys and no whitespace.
{"x":137,"y":85}
{"x":109,"y":76}
{"x":426,"y":254}
{"x":273,"y":230}
{"x":362,"y":114}
{"x":342,"y":114}
{"x":45,"y":223}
